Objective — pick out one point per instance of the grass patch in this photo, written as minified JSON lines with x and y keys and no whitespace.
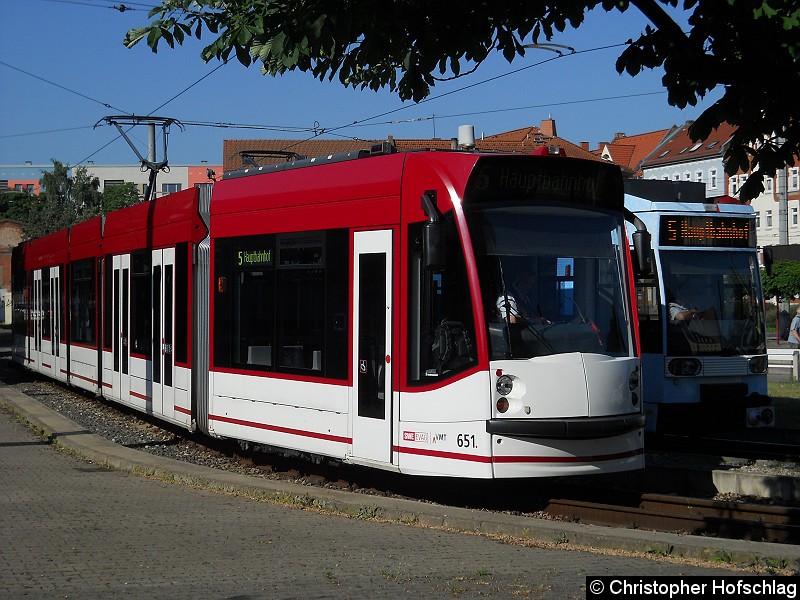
{"x":784,"y":389}
{"x":786,"y":400}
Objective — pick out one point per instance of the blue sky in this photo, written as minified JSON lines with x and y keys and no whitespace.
{"x":64,"y":68}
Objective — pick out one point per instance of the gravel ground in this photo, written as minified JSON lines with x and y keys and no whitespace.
{"x":119,"y":425}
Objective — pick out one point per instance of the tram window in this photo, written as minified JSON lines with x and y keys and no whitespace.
{"x":31,"y":307}
{"x":244,"y":302}
{"x":62,"y":303}
{"x":46,"y":307}
{"x":83,"y":301}
{"x":182,"y":296}
{"x":168,"y":312}
{"x":141,"y":308}
{"x":441,"y":323}
{"x":157,"y":316}
{"x":280,"y":302}
{"x":108,"y":309}
{"x":300,"y":318}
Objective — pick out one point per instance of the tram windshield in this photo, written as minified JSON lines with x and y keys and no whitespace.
{"x":551,"y":279}
{"x":712,"y":303}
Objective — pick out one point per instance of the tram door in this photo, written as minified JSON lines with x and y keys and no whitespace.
{"x":163,"y":287}
{"x":46,"y":321}
{"x":38,"y":321}
{"x":120,"y":325}
{"x":60,"y":367}
{"x":372,"y":337}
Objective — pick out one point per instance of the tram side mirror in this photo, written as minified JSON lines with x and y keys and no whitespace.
{"x":642,"y":248}
{"x":433,"y":251}
{"x":768,"y":259}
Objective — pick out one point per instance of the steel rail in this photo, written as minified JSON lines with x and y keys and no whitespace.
{"x":682,"y":514}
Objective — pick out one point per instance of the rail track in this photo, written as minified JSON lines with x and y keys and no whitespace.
{"x":695,"y":516}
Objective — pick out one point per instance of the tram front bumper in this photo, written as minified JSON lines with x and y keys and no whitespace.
{"x":567,"y":428}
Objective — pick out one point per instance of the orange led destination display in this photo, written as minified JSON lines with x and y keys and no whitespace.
{"x":707,"y":231}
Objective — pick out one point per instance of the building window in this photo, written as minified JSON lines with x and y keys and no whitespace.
{"x":170,"y":188}
{"x":768,"y":183}
{"x":769,"y":219}
{"x":687,"y":176}
{"x":794,"y":216}
{"x":733,"y":185}
{"x":758,"y":219}
{"x":698,"y":176}
{"x":3,"y":184}
{"x":712,"y":178}
{"x":793,"y":179}
{"x":112,"y":182}
{"x":676,"y":177}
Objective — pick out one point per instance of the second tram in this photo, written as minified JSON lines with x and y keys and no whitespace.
{"x":701,"y":311}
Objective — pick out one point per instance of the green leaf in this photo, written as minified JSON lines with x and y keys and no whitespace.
{"x":243,"y":56}
{"x":153,"y":37}
{"x":134,"y":36}
{"x":168,"y":38}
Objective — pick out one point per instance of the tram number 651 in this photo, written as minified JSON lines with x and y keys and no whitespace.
{"x":466,"y":440}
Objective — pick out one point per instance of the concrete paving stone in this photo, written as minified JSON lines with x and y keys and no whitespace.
{"x":76,"y":529}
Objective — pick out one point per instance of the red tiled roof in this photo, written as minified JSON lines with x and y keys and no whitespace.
{"x":679,"y":147}
{"x":521,"y":140}
{"x":628,"y":151}
{"x":232,"y":149}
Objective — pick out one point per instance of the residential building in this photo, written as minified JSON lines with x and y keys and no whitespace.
{"x":23,"y":178}
{"x":678,"y":158}
{"x":179,"y":177}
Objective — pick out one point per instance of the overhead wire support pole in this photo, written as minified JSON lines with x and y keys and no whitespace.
{"x":151,"y":163}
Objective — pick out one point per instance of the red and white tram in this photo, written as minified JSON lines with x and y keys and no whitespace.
{"x":359,"y":307}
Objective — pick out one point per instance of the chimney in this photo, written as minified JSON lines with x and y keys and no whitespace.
{"x":548,"y":127}
{"x":585,"y":146}
{"x":619,"y":135}
{"x":466,"y":136}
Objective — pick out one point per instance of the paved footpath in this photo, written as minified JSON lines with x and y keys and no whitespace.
{"x":70,"y":528}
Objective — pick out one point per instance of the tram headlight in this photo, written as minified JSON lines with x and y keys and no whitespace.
{"x":757,"y":364}
{"x":684,"y":367}
{"x":504,"y":385}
